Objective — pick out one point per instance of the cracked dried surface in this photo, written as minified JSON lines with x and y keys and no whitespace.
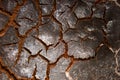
{"x":59,"y":40}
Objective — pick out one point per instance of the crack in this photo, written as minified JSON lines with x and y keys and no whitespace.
{"x":68,"y":75}
{"x":60,"y":25}
{"x":116,"y":60}
{"x":5,"y":12}
{"x":34,"y":73}
{"x":68,"y":69}
{"x":116,"y":2}
{"x":27,"y":50}
{"x":12,"y":22}
{"x":20,"y":46}
{"x":38,"y":54}
{"x":9,"y":73}
{"x":44,"y":44}
{"x":66,"y":49}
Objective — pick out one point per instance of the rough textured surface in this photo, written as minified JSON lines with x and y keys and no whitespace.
{"x":59,"y":40}
{"x":101,"y":66}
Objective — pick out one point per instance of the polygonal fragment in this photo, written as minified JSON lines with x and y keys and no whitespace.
{"x":99,"y":10}
{"x":82,"y":10}
{"x":9,"y":37}
{"x":27,"y":17}
{"x":62,"y":14}
{"x":49,"y":33}
{"x":99,"y":68}
{"x":41,"y":68}
{"x":54,"y":52}
{"x":113,"y":35}
{"x":72,"y":34}
{"x":32,"y":44}
{"x":110,"y":14}
{"x":72,"y":20}
{"x":58,"y":72}
{"x":46,"y":9}
{"x":23,"y":68}
{"x":8,"y":5}
{"x":78,"y":50}
{"x":9,"y":53}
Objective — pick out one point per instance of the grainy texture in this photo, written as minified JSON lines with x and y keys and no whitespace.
{"x":59,"y":40}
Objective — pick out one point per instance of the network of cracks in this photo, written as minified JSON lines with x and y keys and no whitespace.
{"x":59,"y":40}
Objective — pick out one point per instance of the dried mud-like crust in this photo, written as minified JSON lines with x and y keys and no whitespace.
{"x":59,"y":40}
